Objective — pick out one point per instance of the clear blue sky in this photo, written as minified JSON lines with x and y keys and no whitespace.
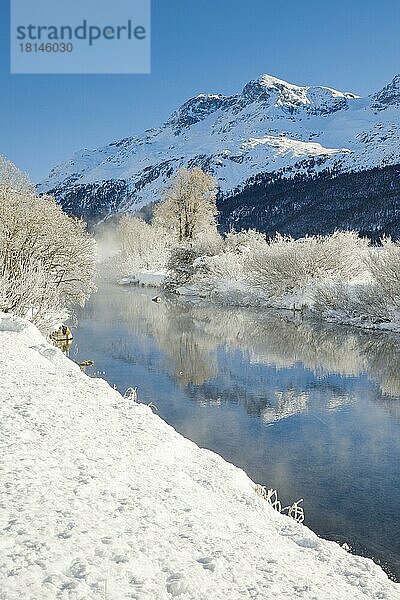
{"x":197,"y":46}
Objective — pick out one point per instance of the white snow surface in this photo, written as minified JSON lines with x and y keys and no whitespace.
{"x":100,"y":498}
{"x":145,"y":278}
{"x":270,"y":127}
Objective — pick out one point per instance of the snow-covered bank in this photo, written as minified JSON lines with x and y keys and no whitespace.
{"x":339,"y":277}
{"x":98,"y":489}
{"x":146,"y":278}
{"x":236,"y":294}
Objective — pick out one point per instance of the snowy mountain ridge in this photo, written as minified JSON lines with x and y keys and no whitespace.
{"x":271,"y":127}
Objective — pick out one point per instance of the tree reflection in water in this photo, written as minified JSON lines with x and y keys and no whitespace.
{"x":190,"y":335}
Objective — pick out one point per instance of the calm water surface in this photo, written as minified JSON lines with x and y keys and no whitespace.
{"x":308,"y":408}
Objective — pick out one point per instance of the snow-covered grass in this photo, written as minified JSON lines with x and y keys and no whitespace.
{"x":102,"y":499}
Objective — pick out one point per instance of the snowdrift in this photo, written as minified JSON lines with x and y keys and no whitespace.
{"x":102,"y":499}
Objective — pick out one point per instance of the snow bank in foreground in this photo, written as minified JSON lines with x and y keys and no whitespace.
{"x":100,"y":494}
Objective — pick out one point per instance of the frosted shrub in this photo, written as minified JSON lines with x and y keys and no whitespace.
{"x":384,"y":265}
{"x":46,"y":258}
{"x":231,"y":263}
{"x":376,"y":300}
{"x":225,"y":266}
{"x":245,"y":241}
{"x":362,"y":301}
{"x":210,"y":243}
{"x":180,"y":266}
{"x":248,"y":269}
{"x":286,"y":266}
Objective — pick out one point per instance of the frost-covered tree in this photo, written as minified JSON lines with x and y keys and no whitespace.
{"x":143,"y":246}
{"x":47,"y":259}
{"x":189,"y":207}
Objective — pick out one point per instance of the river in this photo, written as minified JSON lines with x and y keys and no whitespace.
{"x":311,"y":409}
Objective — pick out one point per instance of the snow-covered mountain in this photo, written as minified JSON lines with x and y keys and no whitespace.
{"x":271,"y":128}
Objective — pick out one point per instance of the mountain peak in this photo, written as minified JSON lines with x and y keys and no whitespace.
{"x":269,"y":81}
{"x":273,"y":91}
{"x":389,"y":95}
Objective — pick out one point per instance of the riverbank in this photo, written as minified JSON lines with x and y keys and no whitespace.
{"x":237,"y":294}
{"x":101,"y":494}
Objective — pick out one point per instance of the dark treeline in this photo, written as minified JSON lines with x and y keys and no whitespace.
{"x":368,"y":202}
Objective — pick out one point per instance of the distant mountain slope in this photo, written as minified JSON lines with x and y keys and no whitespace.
{"x":272,"y":130}
{"x":365,"y":201}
